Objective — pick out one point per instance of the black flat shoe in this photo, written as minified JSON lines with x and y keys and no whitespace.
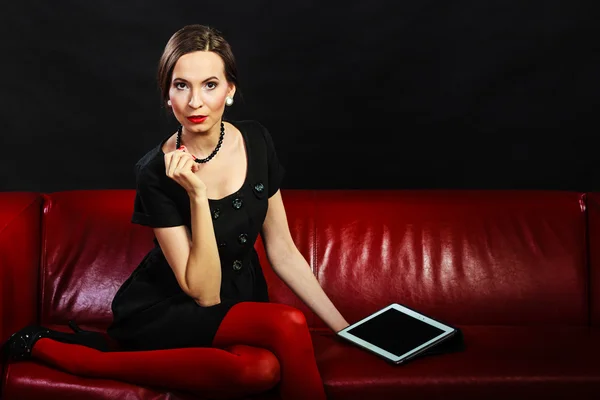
{"x":19,"y":345}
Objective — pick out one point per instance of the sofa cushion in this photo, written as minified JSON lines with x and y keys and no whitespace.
{"x":34,"y":381}
{"x":502,"y":362}
{"x":466,"y":257}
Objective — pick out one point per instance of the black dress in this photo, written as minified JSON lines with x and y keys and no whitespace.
{"x":150,"y":310}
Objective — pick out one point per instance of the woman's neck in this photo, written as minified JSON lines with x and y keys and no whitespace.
{"x":201,"y":144}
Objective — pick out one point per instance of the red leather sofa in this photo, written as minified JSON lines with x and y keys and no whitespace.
{"x":517,"y":271}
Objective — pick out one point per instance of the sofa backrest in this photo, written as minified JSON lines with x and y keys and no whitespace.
{"x":89,"y":248}
{"x":481,"y":257}
{"x":466,"y":257}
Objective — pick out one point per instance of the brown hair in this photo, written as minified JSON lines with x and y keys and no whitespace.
{"x":192,"y":38}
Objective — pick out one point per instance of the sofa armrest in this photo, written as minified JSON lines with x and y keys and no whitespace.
{"x":20,"y":238}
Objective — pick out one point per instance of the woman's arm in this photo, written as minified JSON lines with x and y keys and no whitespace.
{"x":289,"y":264}
{"x":194,"y":258}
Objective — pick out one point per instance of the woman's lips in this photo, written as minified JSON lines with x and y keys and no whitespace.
{"x":197,"y":119}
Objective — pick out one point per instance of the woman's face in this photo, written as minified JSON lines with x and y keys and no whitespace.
{"x":198,"y":90}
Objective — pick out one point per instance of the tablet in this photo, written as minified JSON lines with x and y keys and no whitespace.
{"x":397,"y":333}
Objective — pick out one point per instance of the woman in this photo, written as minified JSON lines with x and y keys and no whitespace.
{"x":196,"y":309}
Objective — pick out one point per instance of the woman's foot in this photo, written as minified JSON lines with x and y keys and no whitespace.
{"x":20,"y":344}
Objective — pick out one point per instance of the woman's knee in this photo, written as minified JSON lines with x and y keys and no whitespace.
{"x":261,"y":371}
{"x":266,"y":373}
{"x":273,"y":312}
{"x":292,"y":316}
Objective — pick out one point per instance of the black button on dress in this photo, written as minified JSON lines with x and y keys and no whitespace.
{"x":150,"y":310}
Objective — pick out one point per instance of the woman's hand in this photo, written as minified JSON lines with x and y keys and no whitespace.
{"x":181,"y":167}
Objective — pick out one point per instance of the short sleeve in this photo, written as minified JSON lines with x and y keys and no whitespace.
{"x":152,"y":206}
{"x":276,"y":170}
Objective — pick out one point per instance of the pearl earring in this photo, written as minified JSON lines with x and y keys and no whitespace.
{"x":169,"y":102}
{"x":229,"y":100}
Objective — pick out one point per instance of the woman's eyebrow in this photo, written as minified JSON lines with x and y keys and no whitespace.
{"x":185,"y":80}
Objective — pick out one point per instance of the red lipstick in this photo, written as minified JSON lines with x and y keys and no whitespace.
{"x":197,"y":119}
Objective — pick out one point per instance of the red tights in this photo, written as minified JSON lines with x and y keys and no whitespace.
{"x":256,"y":346}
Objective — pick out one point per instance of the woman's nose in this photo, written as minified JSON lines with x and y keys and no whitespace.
{"x":195,"y":100}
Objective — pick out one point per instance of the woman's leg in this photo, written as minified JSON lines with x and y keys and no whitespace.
{"x":232,"y":372}
{"x":283,"y":330}
{"x":254,"y":342}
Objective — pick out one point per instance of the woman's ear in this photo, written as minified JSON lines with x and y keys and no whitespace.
{"x":231,"y":90}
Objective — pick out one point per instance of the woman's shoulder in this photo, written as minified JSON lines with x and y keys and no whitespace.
{"x":151,"y":162}
{"x":247,"y":125}
{"x":253,"y":129}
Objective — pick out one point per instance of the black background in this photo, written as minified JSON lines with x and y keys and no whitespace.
{"x":356,"y":94}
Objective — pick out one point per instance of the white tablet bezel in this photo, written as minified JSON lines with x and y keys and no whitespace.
{"x":447,"y":330}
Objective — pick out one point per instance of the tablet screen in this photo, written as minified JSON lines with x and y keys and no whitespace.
{"x":395,"y":332}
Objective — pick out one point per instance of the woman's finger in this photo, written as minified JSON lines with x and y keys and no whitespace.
{"x":175,"y":160}
{"x":183,"y":158}
{"x":185,"y":150}
{"x":168,"y":162}
{"x":187,"y":165}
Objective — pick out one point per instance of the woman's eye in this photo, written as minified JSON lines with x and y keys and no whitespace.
{"x":180,"y":85}
{"x":211,"y":85}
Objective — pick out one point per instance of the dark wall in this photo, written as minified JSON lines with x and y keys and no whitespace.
{"x":357,"y":94}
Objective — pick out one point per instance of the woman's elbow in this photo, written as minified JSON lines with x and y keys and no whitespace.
{"x":208,"y":302}
{"x":204,"y":296}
